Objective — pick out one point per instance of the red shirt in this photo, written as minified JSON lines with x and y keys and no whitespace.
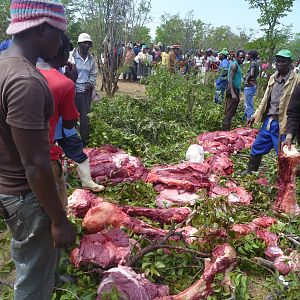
{"x":63,"y":91}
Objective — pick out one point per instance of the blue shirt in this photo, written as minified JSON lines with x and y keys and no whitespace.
{"x":5,"y":45}
{"x":59,"y":131}
{"x":136,"y":50}
{"x":223,"y":69}
{"x":87,"y":71}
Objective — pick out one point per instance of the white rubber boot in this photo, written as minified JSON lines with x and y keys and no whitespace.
{"x":84,"y":173}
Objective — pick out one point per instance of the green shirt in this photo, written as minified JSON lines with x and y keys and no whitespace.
{"x":237,"y":79}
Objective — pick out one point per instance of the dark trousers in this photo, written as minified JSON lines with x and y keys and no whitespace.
{"x":231,"y":106}
{"x":83,"y":104}
{"x":73,"y":148}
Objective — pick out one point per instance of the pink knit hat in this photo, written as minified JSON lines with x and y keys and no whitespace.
{"x":27,"y":14}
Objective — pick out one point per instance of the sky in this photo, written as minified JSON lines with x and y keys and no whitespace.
{"x":234,"y":13}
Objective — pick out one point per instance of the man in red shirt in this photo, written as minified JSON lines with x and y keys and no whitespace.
{"x":63,"y":91}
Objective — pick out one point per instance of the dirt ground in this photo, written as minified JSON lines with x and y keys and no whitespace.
{"x":132,"y":89}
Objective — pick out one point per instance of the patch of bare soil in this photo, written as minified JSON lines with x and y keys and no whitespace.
{"x":132,"y":89}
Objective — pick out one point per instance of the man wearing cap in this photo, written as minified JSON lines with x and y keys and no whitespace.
{"x":221,"y":81}
{"x":273,"y":109}
{"x":86,"y":81}
{"x":28,"y":197}
{"x":250,"y":83}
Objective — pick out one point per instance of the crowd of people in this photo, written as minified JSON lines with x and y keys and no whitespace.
{"x":46,"y":86}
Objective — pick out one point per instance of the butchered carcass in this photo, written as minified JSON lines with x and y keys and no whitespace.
{"x":111,"y":165}
{"x":174,"y":197}
{"x":129,"y":285}
{"x":105,"y":215}
{"x":221,"y":164}
{"x":81,"y":201}
{"x":216,"y":147}
{"x":234,"y":194}
{"x":235,"y":140}
{"x":223,"y":260}
{"x":185,"y":176}
{"x":271,"y":239}
{"x":268,"y":237}
{"x":244,"y":229}
{"x":166,"y":216}
{"x":286,"y":200}
{"x":283,"y":263}
{"x":105,"y":249}
{"x":286,"y":264}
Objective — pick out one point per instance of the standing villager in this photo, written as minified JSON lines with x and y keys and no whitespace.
{"x":198,"y":61}
{"x":28,"y":197}
{"x":221,"y":81}
{"x":273,"y":110}
{"x":136,"y":49}
{"x":209,"y":60}
{"x":86,"y":81}
{"x":63,"y":91}
{"x":129,"y":63}
{"x":250,"y":83}
{"x":233,"y":91}
{"x":72,"y":145}
{"x":174,"y":58}
{"x":165,"y":57}
{"x":144,"y":60}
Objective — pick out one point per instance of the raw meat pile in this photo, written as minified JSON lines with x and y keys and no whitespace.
{"x":81,"y":201}
{"x":234,"y":194}
{"x":185,"y":176}
{"x":188,"y":178}
{"x":106,"y":214}
{"x":104,"y":249}
{"x":111,"y":165}
{"x":107,"y":246}
{"x":136,"y":287}
{"x":164,"y":216}
{"x":227,"y":142}
{"x":284,"y":264}
{"x":129,"y":285}
{"x":286,"y":200}
{"x":223,"y":261}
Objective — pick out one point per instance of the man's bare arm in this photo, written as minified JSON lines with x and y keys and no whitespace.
{"x":233,"y":70}
{"x":33,"y":148}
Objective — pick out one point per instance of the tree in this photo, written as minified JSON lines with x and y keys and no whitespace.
{"x":141,"y":35}
{"x":195,"y":34}
{"x":171,"y":30}
{"x":271,"y":12}
{"x":4,"y":16}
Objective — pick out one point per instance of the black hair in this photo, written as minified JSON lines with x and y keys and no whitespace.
{"x":253,"y":54}
{"x":65,"y":45}
{"x":240,"y":52}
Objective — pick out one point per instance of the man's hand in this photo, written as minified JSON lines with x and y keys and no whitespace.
{"x":89,"y":87}
{"x":71,"y":71}
{"x":63,"y":234}
{"x":250,"y":122}
{"x":233,"y":95}
{"x":287,"y":142}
